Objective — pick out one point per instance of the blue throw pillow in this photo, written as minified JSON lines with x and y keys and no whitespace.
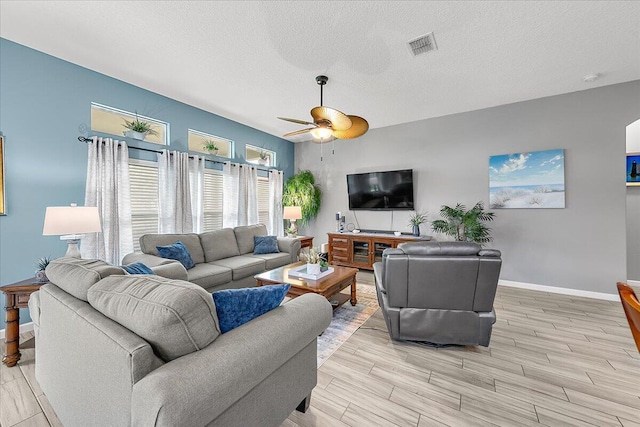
{"x":137,"y":268}
{"x":265,"y":245}
{"x":236,"y":307}
{"x":177,"y":251}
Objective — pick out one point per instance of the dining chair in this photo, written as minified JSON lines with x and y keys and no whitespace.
{"x":631,"y":308}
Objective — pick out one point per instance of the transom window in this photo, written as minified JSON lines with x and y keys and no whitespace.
{"x":260,"y":156}
{"x":199,"y":141}
{"x":111,"y":120}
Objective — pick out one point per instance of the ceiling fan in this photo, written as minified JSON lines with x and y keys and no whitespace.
{"x":329,"y":123}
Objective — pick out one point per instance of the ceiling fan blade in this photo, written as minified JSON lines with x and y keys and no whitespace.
{"x":302,"y":122}
{"x":338,"y":119}
{"x":297,"y":132}
{"x":358,"y":128}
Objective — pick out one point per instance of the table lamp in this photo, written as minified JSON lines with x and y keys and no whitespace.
{"x":292,"y":213}
{"x":70,"y":223}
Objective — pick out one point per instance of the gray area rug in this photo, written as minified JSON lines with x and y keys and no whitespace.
{"x":347,"y":319}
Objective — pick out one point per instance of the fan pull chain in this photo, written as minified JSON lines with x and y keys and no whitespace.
{"x":333,"y":147}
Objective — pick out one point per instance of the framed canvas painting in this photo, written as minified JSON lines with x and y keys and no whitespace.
{"x":3,"y":209}
{"x":527,"y":180}
{"x":633,"y":169}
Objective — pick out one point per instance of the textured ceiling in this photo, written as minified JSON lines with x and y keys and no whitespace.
{"x":253,"y":61}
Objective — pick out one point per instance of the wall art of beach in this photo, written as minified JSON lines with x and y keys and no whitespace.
{"x":527,"y":180}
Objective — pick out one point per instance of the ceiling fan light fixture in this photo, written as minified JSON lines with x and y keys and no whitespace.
{"x":321,"y":133}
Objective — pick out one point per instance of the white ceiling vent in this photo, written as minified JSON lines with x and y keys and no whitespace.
{"x":423,"y":44}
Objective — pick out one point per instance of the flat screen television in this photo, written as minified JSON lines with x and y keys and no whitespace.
{"x":390,"y":190}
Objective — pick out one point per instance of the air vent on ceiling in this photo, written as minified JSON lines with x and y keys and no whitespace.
{"x":423,"y":44}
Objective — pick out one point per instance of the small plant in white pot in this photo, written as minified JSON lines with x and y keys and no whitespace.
{"x":312,"y":256}
{"x":211,"y":147}
{"x":138,"y":129}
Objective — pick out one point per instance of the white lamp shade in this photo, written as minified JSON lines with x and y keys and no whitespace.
{"x":61,"y":220}
{"x":292,"y":212}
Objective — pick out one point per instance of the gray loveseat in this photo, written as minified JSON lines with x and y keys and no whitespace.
{"x":438,"y":292}
{"x":224,"y":258}
{"x":143,"y":350}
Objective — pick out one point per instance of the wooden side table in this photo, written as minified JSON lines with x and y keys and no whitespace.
{"x":306,"y":241}
{"x":16,"y":297}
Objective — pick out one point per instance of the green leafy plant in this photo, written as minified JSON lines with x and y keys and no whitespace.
{"x":301,"y":190}
{"x":138,"y":125}
{"x":463,"y":225}
{"x":311,"y":256}
{"x":417,"y":218}
{"x":210,"y":145}
{"x":42,"y":263}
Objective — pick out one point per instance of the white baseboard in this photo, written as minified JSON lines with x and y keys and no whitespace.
{"x":556,"y":290}
{"x":25,"y":327}
{"x":633,"y":282}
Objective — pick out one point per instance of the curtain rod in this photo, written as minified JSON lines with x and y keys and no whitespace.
{"x":149,"y":150}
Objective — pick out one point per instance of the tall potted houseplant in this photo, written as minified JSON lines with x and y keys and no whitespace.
{"x":301,"y":190}
{"x":464,"y":225}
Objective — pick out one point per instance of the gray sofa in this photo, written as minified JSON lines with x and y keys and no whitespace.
{"x":143,"y":350}
{"x":224,"y":258}
{"x":438,"y":292}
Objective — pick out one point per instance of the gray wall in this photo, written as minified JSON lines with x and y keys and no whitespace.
{"x":582,"y":246}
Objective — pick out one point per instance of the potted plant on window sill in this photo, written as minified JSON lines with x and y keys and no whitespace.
{"x":264,"y":158}
{"x":138,"y":129}
{"x":211,"y":147}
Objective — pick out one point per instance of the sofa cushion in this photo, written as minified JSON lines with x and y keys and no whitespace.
{"x":137,"y":268}
{"x":236,"y":307}
{"x":440,"y":248}
{"x":219,"y":244}
{"x":242,"y":266}
{"x":148,"y":243}
{"x":75,"y":276}
{"x":265,"y":245}
{"x":173,"y":316}
{"x":275,"y":260}
{"x":177,"y":251}
{"x":208,"y":275}
{"x":246,"y":233}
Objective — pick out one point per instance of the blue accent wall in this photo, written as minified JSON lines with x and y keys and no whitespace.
{"x":44,"y":102}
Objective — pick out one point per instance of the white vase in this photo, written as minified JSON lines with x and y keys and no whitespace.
{"x":135,"y":135}
{"x":313,"y":269}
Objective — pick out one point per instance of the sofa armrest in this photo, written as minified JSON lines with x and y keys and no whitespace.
{"x":169,"y":268}
{"x":291,"y":245}
{"x":197,"y":388}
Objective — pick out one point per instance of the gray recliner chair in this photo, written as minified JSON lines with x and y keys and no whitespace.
{"x":440,"y":293}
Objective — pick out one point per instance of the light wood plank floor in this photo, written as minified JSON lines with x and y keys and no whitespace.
{"x":554,"y":360}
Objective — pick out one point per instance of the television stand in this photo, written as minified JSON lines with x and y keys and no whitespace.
{"x":361,"y":250}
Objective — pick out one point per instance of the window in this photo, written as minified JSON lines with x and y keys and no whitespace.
{"x":212,"y":200}
{"x":263,"y":201}
{"x":260,"y":156}
{"x":143,"y":179}
{"x":111,"y":120}
{"x":198,"y":139}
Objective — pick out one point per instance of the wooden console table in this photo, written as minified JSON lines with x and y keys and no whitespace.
{"x":361,"y":250}
{"x":16,"y":297}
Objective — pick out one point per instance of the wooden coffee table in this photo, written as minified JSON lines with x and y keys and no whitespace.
{"x":328,"y":286}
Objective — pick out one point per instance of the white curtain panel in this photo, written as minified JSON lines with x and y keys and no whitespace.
{"x":240,"y":195}
{"x":107,"y":187}
{"x":180,"y":192}
{"x":275,"y":226}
